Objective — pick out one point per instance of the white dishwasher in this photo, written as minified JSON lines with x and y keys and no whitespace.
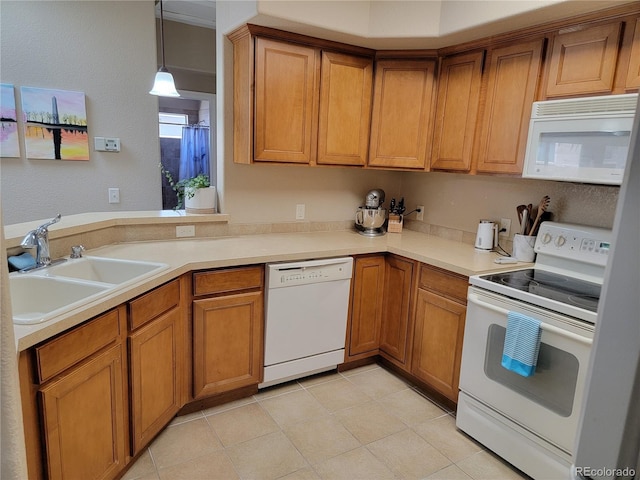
{"x":307,"y":304}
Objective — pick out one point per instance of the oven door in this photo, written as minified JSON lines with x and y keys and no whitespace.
{"x":547,"y":403}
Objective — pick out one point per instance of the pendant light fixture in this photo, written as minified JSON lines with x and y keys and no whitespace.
{"x":163,"y":85}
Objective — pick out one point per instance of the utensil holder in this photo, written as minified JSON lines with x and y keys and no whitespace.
{"x":523,"y":248}
{"x":395,"y":223}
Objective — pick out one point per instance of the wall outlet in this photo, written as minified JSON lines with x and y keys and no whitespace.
{"x":505,"y":224}
{"x":420,"y":214}
{"x":114,"y":195}
{"x":185,"y":231}
{"x":300,"y":211}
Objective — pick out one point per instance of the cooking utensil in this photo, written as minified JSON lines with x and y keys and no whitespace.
{"x":524,"y":222}
{"x":520,"y":209}
{"x":542,"y":207}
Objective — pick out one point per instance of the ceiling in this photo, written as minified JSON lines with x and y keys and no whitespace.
{"x":201,"y":13}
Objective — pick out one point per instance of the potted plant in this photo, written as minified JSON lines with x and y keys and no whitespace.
{"x":196,"y":193}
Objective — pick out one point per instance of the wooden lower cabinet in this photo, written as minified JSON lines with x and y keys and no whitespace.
{"x":228,"y":330}
{"x":367,"y":292}
{"x":157,"y":362}
{"x":84,"y":412}
{"x":395,"y":335}
{"x":440,"y":314}
{"x":227,"y":343}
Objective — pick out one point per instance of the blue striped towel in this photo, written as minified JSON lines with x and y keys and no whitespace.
{"x":521,"y":344}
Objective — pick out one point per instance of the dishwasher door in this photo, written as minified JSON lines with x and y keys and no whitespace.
{"x":307,"y":306}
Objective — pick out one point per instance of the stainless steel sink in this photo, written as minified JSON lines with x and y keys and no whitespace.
{"x":105,"y":270}
{"x":43,"y":294}
{"x":36,"y":299}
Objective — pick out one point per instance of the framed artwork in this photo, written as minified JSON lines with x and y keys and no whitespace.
{"x":55,"y":124}
{"x":9,"y":144}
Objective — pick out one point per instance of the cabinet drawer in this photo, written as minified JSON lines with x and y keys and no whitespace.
{"x":228,"y":280}
{"x":154,"y":303}
{"x":444,"y":282}
{"x":57,"y":355}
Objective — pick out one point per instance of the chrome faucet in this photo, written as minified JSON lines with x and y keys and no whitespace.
{"x":39,"y":238}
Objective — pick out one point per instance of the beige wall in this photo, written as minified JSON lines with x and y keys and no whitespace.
{"x":108,"y":52}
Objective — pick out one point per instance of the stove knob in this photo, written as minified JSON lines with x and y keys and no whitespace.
{"x":560,"y":241}
{"x":546,"y":238}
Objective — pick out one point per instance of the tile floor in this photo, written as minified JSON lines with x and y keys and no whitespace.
{"x":364,"y":424}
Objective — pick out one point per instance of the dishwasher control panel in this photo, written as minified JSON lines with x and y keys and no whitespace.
{"x":307,"y":272}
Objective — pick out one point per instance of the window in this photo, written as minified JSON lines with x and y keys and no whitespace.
{"x":171,"y":124}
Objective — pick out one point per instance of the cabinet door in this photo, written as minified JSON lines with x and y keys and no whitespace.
{"x":84,"y":418}
{"x":633,"y":74}
{"x":286,"y":102}
{"x":345,"y":109}
{"x":227,"y":343}
{"x":366,"y":306}
{"x":157,"y":357}
{"x":402,"y":113}
{"x":457,"y":111}
{"x":511,"y":89}
{"x":584,"y":61}
{"x":398,"y":287}
{"x":437,"y":348}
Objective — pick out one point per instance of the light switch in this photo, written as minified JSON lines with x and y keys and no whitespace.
{"x":103,"y":144}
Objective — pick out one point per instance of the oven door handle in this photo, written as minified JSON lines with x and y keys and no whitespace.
{"x":544,"y":326}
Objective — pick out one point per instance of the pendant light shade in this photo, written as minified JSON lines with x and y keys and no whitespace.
{"x":163,"y":85}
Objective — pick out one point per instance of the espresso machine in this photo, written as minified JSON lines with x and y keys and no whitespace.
{"x":371,"y":218}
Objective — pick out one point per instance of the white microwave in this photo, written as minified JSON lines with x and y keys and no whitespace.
{"x":580,"y":139}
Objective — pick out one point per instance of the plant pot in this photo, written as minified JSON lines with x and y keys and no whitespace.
{"x":202,"y":201}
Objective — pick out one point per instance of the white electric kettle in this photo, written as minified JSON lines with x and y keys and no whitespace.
{"x":487,"y":236}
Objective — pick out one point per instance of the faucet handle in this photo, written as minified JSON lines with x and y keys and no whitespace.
{"x":44,"y":226}
{"x":76,"y":251}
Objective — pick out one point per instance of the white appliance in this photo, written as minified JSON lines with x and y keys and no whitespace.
{"x":580,"y":139}
{"x":486,"y":236}
{"x":307,"y":304}
{"x":532,"y":421}
{"x":607,"y":444}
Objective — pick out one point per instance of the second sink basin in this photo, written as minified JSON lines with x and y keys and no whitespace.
{"x":105,"y":270}
{"x":36,"y":299}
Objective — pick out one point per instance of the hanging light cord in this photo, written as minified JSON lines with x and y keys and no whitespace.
{"x":162,"y":34}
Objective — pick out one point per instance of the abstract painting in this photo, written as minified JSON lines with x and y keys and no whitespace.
{"x":9,"y":144}
{"x":55,"y":124}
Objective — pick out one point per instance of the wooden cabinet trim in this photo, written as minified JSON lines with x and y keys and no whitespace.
{"x":633,"y":72}
{"x":154,"y":303}
{"x":230,"y":280}
{"x":72,"y":347}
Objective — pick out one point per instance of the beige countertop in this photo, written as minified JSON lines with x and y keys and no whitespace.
{"x":185,"y":255}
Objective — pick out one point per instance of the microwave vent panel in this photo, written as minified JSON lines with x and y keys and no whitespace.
{"x":604,"y":105}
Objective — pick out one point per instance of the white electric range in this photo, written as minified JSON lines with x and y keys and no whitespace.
{"x":531,"y":421}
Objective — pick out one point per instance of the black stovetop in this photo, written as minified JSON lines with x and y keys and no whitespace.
{"x":562,"y":288}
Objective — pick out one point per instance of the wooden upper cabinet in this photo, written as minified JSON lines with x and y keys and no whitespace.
{"x":286,"y":101}
{"x":633,"y":74}
{"x":401,"y":122}
{"x":513,"y":74}
{"x":457,"y":111}
{"x":345,"y":109}
{"x":584,"y":61}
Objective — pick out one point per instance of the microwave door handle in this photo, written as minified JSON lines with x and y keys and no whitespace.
{"x":545,"y":326}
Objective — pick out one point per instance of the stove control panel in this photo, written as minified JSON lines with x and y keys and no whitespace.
{"x":575,"y":242}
